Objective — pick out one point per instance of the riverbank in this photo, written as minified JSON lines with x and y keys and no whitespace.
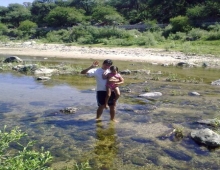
{"x":149,"y":55}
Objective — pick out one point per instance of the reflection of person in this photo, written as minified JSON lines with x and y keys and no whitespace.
{"x":106,"y":147}
{"x":111,"y":85}
{"x":92,"y":71}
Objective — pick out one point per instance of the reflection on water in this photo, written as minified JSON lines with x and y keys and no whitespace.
{"x":106,"y":148}
{"x":133,"y":143}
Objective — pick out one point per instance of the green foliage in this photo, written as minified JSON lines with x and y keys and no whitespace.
{"x":3,"y":29}
{"x":28,"y":28}
{"x":106,"y":14}
{"x":196,"y":34}
{"x":17,"y":13}
{"x":177,"y":36}
{"x":15,"y":33}
{"x":64,"y":16}
{"x":172,"y":77}
{"x":196,"y":12}
{"x":58,"y":36}
{"x":24,"y":159}
{"x":152,"y":25}
{"x":215,"y":27}
{"x":82,"y":166}
{"x":26,"y":25}
{"x":178,"y":132}
{"x":213,"y":35}
{"x":39,"y":12}
{"x":180,"y":24}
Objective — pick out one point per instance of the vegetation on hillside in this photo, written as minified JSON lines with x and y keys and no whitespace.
{"x":168,"y":24}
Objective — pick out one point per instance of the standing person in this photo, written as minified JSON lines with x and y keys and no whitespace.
{"x":112,"y":84}
{"x":92,"y":71}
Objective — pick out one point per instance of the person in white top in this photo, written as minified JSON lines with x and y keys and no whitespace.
{"x":101,"y":93}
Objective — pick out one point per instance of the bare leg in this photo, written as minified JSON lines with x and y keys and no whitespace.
{"x":99,"y":112}
{"x":108,"y":90}
{"x":112,"y":113}
{"x":117,"y":94}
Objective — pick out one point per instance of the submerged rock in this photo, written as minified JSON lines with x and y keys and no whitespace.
{"x":212,"y":122}
{"x":69,"y":110}
{"x":206,"y":137}
{"x":178,"y":155}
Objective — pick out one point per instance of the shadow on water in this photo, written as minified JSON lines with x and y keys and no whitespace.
{"x":140,"y":140}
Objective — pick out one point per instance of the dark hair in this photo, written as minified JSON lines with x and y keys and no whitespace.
{"x":108,"y":61}
{"x":112,"y":68}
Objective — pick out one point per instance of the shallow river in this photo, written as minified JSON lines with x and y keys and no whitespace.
{"x":141,"y":139}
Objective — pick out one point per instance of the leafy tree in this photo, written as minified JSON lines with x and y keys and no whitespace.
{"x":162,"y":10}
{"x":3,"y":29}
{"x":86,"y":5}
{"x":3,"y":11}
{"x":39,"y":11}
{"x":64,"y":16}
{"x":27,"y":25}
{"x":16,"y":13}
{"x":107,"y":15}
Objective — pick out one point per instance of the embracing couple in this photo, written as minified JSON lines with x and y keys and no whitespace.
{"x":107,"y":91}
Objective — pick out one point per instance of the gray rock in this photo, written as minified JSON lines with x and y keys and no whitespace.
{"x":126,"y":72}
{"x":25,"y":68}
{"x":183,"y":64}
{"x":194,"y":93}
{"x":69,"y":110}
{"x":216,"y":82}
{"x":43,"y":78}
{"x":151,"y":94}
{"x":45,"y":71}
{"x":206,"y":137}
{"x":13,"y":59}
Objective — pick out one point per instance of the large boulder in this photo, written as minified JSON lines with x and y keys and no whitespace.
{"x":206,"y":137}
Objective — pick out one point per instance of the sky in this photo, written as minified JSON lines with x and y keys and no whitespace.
{"x":6,"y":2}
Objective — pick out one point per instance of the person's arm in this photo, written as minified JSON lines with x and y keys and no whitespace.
{"x":94,"y":64}
{"x":104,"y":76}
{"x":120,"y":81}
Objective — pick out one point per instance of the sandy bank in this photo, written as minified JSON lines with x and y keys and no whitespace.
{"x":128,"y":54}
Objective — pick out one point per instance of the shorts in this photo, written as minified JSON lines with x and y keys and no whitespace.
{"x":101,"y":95}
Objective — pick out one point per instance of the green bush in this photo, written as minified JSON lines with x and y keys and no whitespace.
{"x":215,"y":27}
{"x":196,"y":12}
{"x":24,"y":159}
{"x":180,"y":24}
{"x":59,"y":36}
{"x":167,"y":31}
{"x":27,"y":25}
{"x":177,"y":36}
{"x":196,"y":34}
{"x":3,"y":29}
{"x":15,"y":33}
{"x":213,"y":35}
